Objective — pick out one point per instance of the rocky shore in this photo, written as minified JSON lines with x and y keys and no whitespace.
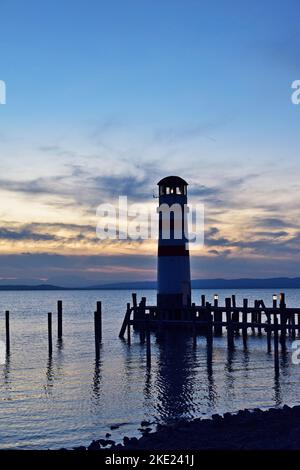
{"x":247,"y":430}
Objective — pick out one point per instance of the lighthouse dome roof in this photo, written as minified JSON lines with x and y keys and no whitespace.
{"x":172,"y":181}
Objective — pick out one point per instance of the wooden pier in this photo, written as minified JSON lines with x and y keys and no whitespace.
{"x":211,"y":319}
{"x":208,"y":319}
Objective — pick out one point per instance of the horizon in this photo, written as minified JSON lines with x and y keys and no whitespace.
{"x":105,"y":101}
{"x":201,"y":283}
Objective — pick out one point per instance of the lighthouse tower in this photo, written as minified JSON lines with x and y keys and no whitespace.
{"x":173,"y":270}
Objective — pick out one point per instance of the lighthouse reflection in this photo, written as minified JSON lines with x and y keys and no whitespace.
{"x":183,"y":373}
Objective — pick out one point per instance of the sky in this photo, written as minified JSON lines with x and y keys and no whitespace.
{"x":106,"y":98}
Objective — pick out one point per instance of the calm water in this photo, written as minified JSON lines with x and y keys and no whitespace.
{"x":69,"y":400}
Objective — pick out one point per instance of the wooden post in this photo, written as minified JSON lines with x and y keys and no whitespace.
{"x":99,"y":319}
{"x":125,"y":321}
{"x":148,"y":344}
{"x":230,"y":337}
{"x":274,"y":301}
{"x":292,"y":323}
{"x":259,"y":317}
{"x":136,"y":311}
{"x":282,"y":304}
{"x":276,"y":354}
{"x":217,"y":317}
{"x":96,"y":332}
{"x":235,"y":315}
{"x":283,"y":320}
{"x":7,"y":331}
{"x":283,"y":331}
{"x":269,"y":332}
{"x":254,"y":316}
{"x":141,"y":316}
{"x":59,"y":319}
{"x":209,"y":334}
{"x":50,"y":333}
{"x":128,"y":326}
{"x":202,"y":300}
{"x":134,"y":302}
{"x":244,"y":321}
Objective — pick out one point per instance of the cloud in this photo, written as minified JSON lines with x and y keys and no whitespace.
{"x":77,"y":270}
{"x":175,"y":135}
{"x":25,"y":234}
{"x":34,"y":186}
{"x":272,"y":222}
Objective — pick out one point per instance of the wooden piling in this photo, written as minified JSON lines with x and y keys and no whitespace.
{"x":292,"y":324}
{"x":136,"y":310}
{"x":50,"y":333}
{"x":7,"y":333}
{"x":269,"y":332}
{"x":148,"y":344}
{"x":99,"y":319}
{"x":128,"y":326}
{"x":96,"y":332}
{"x":244,"y":321}
{"x":235,"y":315}
{"x":274,"y":301}
{"x":59,"y":319}
{"x":298,"y":321}
{"x":254,"y":316}
{"x":209,"y":334}
{"x":134,"y":301}
{"x":230,"y":336}
{"x":283,"y":320}
{"x":258,"y":318}
{"x":202,"y":300}
{"x":217,"y":318}
{"x":282,"y":304}
{"x":276,"y":353}
{"x":125,"y":321}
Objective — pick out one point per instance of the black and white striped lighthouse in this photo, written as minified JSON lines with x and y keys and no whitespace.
{"x":174,"y":278}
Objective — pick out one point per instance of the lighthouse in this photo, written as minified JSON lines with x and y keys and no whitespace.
{"x":173,"y":269}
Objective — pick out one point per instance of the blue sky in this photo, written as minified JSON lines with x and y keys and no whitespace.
{"x":109,"y":95}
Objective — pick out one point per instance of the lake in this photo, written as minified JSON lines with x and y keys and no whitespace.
{"x":69,"y":400}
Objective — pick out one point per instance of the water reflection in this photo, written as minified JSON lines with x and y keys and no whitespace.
{"x":96,"y":386}
{"x":175,"y":375}
{"x":183,"y":381}
{"x":49,"y":376}
{"x":284,"y":361}
{"x":212,"y":392}
{"x":6,"y":371}
{"x":246,"y":361}
{"x":229,"y":375}
{"x":148,"y":387}
{"x":60,"y":345}
{"x":277,"y":391}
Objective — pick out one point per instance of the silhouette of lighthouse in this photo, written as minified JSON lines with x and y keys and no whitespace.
{"x":173,"y":270}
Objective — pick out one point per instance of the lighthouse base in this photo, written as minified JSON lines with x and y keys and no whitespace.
{"x":173,"y":301}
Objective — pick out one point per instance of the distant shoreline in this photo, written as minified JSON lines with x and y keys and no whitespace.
{"x":242,"y":283}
